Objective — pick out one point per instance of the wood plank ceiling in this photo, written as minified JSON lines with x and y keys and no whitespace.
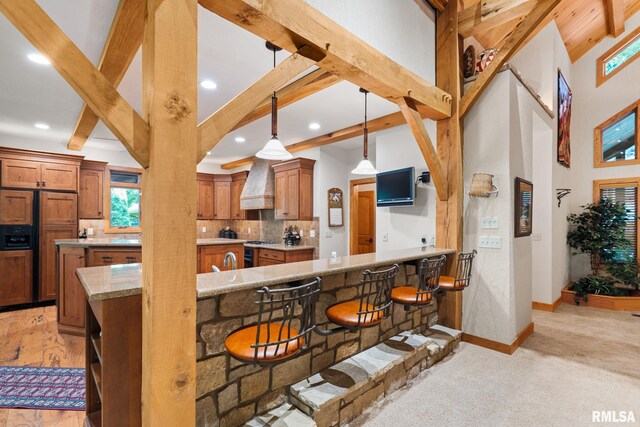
{"x":582,"y":23}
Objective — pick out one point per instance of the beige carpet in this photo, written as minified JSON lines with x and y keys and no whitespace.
{"x":579,"y":359}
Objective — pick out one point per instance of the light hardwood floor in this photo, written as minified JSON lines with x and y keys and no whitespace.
{"x":30,"y":338}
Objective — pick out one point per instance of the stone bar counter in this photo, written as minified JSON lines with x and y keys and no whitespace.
{"x":229,"y":392}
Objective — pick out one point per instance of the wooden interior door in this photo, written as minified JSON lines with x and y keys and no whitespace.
{"x":205,"y":199}
{"x":58,"y":209}
{"x":59,"y":177}
{"x":48,"y":235}
{"x":16,"y":207}
{"x":222,"y":197}
{"x":16,"y":286}
{"x":20,"y":174}
{"x":91,"y":194}
{"x":366,"y":222}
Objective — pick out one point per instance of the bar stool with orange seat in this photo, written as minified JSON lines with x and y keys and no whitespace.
{"x":463,"y":273}
{"x":428,"y":284}
{"x":372,"y":306}
{"x":286,"y":318}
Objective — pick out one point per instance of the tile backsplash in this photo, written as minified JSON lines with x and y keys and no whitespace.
{"x":267,"y":228}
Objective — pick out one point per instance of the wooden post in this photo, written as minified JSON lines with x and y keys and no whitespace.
{"x":169,"y":75}
{"x":449,"y":140}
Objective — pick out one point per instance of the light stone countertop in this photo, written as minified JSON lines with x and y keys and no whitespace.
{"x":278,"y":247}
{"x":106,"y":242}
{"x":117,"y":281}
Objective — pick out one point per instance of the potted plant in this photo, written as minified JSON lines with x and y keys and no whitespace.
{"x":598,"y":231}
{"x":627,"y":272}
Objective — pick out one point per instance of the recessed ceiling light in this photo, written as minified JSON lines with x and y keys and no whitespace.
{"x":43,"y":126}
{"x":208,"y":153}
{"x":617,"y":129}
{"x":208,"y":84}
{"x":240,"y":139}
{"x":38,"y":59}
{"x":314,"y":126}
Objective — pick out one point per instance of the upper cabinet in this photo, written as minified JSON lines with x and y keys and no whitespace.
{"x":294,"y":189}
{"x":91,"y":192}
{"x":222,"y":197}
{"x":237,"y":185}
{"x":205,"y":197}
{"x":16,"y":207}
{"x":38,"y":171}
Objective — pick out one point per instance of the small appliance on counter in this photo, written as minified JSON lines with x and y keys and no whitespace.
{"x":291,"y":236}
{"x":227,"y":233}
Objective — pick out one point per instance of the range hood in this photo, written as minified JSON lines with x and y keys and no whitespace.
{"x":258,"y":192}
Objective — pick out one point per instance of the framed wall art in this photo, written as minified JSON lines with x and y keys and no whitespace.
{"x":336,"y":209}
{"x":523,"y":212}
{"x":565,"y":97}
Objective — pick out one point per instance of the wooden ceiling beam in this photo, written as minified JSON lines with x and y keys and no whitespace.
{"x":88,"y":82}
{"x":313,"y":82}
{"x":513,"y":43}
{"x":438,"y":5}
{"x":215,"y":127}
{"x":291,"y":24}
{"x":488,"y":15}
{"x":414,"y":120}
{"x":123,"y":42}
{"x":384,"y":122}
{"x":615,"y":17}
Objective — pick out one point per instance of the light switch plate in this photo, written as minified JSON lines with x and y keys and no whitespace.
{"x":89,"y":231}
{"x":490,"y":242}
{"x":536,"y":237}
{"x":489,"y":222}
{"x":312,"y":233}
{"x":301,"y":233}
{"x":385,"y":237}
{"x":204,"y":229}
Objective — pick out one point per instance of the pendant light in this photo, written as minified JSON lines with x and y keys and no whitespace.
{"x":274,"y":150}
{"x":365,"y":167}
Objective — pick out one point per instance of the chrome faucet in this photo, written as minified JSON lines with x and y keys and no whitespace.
{"x":215,"y":269}
{"x":234,"y":261}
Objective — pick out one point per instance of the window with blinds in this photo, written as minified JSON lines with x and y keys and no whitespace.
{"x":629,"y":197}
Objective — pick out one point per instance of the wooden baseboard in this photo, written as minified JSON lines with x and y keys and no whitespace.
{"x":498,"y":346}
{"x":547,"y":307}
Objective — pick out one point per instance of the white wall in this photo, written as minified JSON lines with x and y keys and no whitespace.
{"x":538,"y":62}
{"x":591,"y":106}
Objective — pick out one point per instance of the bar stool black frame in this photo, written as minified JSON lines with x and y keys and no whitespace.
{"x":375,"y":291}
{"x":288,"y":308}
{"x":428,"y":282}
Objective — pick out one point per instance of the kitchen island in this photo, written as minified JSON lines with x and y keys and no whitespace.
{"x":225,"y":388}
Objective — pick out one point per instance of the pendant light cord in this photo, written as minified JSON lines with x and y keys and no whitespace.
{"x":366,"y":130}
{"x":274,"y":107}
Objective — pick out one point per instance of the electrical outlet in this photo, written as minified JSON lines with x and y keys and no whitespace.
{"x":248,"y":230}
{"x":536,"y":237}
{"x":89,"y":231}
{"x":424,"y":239}
{"x":204,"y":229}
{"x":312,"y":233}
{"x":301,"y":233}
{"x":385,"y":237}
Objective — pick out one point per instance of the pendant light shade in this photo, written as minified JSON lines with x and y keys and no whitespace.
{"x":274,"y":150}
{"x":365,"y":167}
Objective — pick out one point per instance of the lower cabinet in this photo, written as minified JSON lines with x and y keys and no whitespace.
{"x":48,"y":236}
{"x":70,"y":301}
{"x":214,"y":255}
{"x":16,"y":285}
{"x":274,"y":256}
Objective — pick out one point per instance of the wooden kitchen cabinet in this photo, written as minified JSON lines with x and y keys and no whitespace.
{"x":114,"y":256}
{"x":294,"y":189}
{"x":59,"y":177}
{"x":58,"y":209}
{"x":70,"y":296}
{"x":16,"y":286}
{"x":274,"y":256}
{"x":16,"y":207}
{"x":214,"y":255}
{"x":205,"y":197}
{"x":91,"y":191}
{"x":48,"y":235}
{"x":222,"y":197}
{"x":237,"y":185}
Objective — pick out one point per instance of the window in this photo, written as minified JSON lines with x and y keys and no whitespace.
{"x":618,"y":57}
{"x":124,"y":204}
{"x":616,"y":140}
{"x":622,"y":191}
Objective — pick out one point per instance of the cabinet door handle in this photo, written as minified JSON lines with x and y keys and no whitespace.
{"x":37,"y":183}
{"x":44,"y":183}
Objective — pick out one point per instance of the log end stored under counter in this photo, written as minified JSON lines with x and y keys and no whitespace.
{"x":102,"y":283}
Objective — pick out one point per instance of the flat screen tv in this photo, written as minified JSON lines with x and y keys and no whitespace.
{"x":396,"y":188}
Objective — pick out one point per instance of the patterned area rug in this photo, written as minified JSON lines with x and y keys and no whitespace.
{"x":42,"y":388}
